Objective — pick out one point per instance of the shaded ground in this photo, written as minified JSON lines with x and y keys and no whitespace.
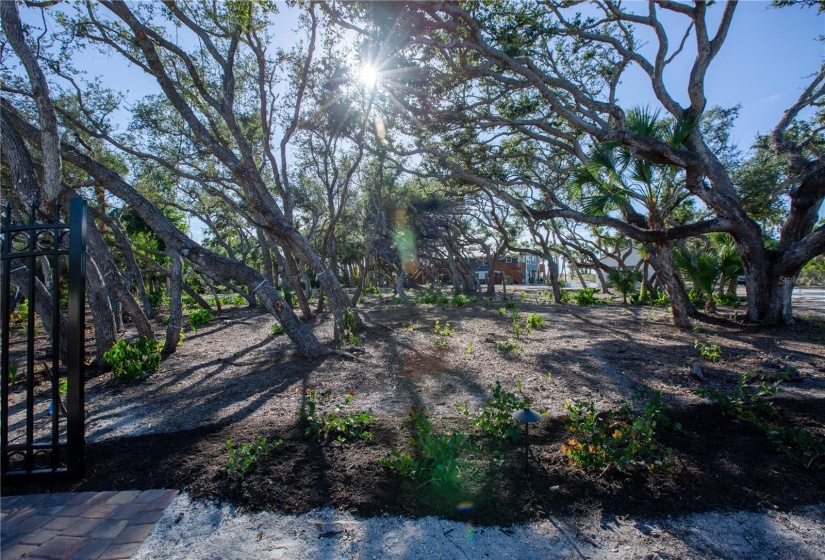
{"x":233,"y":380}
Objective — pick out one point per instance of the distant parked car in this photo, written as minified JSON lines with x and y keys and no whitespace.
{"x":740,"y":279}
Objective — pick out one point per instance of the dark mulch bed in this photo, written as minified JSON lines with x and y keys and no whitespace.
{"x":234,"y":381}
{"x":726,"y":465}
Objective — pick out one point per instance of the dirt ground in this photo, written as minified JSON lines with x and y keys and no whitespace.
{"x":234,"y":380}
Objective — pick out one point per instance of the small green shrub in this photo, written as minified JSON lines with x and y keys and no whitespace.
{"x":752,"y":404}
{"x":661,"y":299}
{"x":535,"y":321}
{"x":624,"y":281}
{"x":444,"y":330}
{"x":459,"y":300}
{"x":371,"y":290}
{"x":441,"y":343}
{"x":522,"y":296}
{"x":348,"y":334}
{"x":325,"y":419}
{"x":63,"y":386}
{"x":509,"y":346}
{"x":501,"y":311}
{"x":728,"y":299}
{"x":586,"y":296}
{"x":199,"y":317}
{"x":487,"y":302}
{"x":617,"y":439}
{"x":428,"y":456}
{"x":133,"y":362}
{"x":277,"y":330}
{"x":428,"y":297}
{"x":711,"y":352}
{"x":243,"y":458}
{"x":240,"y":301}
{"x":13,"y":367}
{"x":509,"y":304}
{"x":496,"y":418}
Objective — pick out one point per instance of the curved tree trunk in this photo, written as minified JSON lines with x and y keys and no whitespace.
{"x":102,"y":315}
{"x":174,"y":327}
{"x":219,"y":265}
{"x":662,"y":261}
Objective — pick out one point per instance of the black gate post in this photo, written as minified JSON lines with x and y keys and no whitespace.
{"x":32,"y":428}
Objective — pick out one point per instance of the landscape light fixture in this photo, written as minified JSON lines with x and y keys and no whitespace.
{"x":527,"y":417}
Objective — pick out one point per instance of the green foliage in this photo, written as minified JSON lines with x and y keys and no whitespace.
{"x":487,"y":302}
{"x":617,"y":438}
{"x":516,"y":322}
{"x":371,"y":290}
{"x":624,"y":281}
{"x":535,"y":321}
{"x":459,"y":300}
{"x":586,"y":296}
{"x":753,"y":404}
{"x":244,"y":457}
{"x":63,"y":386}
{"x":277,"y":329}
{"x":509,"y":346}
{"x":444,"y":330}
{"x":710,"y":351}
{"x":21,"y":312}
{"x":13,"y":367}
{"x":496,"y":418}
{"x":325,"y":419}
{"x":428,"y":456}
{"x":510,"y":304}
{"x":442,"y":343}
{"x":348,"y":334}
{"x":133,"y":362}
{"x":501,"y":311}
{"x":199,"y":317}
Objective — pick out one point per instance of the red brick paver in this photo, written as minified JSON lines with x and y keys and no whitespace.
{"x":84,"y":525}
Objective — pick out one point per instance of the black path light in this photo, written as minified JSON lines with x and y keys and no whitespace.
{"x":527,"y":417}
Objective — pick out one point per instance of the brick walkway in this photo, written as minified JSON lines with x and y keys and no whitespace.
{"x":85,"y":525}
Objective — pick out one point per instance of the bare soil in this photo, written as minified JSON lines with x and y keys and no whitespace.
{"x":233,"y":380}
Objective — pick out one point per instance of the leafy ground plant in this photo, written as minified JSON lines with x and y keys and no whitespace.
{"x":443,"y":330}
{"x":199,"y":317}
{"x":586,"y":296}
{"x":133,"y":362}
{"x":242,"y":458}
{"x":753,"y":404}
{"x":277,"y":330}
{"x":326,"y":419}
{"x":710,"y":351}
{"x":535,"y":321}
{"x":496,"y":418}
{"x":428,"y":456}
{"x":617,"y":438}
{"x":460,"y":300}
{"x":509,"y":346}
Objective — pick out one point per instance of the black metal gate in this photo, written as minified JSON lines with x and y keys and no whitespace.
{"x":43,"y":435}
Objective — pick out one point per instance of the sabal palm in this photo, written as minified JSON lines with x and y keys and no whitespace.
{"x":703,"y":268}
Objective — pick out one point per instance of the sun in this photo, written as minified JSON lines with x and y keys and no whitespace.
{"x":369,"y":75}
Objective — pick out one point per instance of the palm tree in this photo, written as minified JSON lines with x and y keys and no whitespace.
{"x":624,"y":281}
{"x":703,"y":267}
{"x":646,"y":194}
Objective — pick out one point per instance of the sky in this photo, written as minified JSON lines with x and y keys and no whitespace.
{"x":765,"y":62}
{"x":763,"y":65}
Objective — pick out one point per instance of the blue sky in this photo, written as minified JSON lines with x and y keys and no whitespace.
{"x":764,"y":64}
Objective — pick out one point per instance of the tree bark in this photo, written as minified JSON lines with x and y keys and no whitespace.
{"x":102,"y":314}
{"x":662,"y":261}
{"x":219,"y":265}
{"x":175,"y":326}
